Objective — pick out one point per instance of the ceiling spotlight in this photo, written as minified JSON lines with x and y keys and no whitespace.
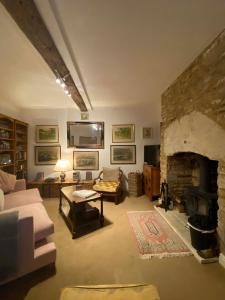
{"x":61,"y":81}
{"x":58,"y":81}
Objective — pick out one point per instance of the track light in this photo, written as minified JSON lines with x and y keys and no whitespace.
{"x":58,"y":80}
{"x":61,"y":81}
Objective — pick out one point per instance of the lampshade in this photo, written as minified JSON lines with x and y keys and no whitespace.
{"x":62,"y":165}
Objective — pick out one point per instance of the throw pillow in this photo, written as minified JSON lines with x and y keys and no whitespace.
{"x":7,"y":181}
{"x":2,"y":200}
{"x":111,"y":174}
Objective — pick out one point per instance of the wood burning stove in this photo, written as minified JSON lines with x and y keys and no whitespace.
{"x":193,"y":179}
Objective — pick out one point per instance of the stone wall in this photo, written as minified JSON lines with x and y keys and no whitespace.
{"x":221,"y":202}
{"x":201,"y":87}
{"x":193,"y":116}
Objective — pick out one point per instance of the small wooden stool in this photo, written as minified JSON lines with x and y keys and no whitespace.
{"x":110,"y":292}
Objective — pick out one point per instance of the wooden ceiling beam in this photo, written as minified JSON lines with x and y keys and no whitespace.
{"x":28,"y":18}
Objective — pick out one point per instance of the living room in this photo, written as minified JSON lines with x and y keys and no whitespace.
{"x":122,"y":57}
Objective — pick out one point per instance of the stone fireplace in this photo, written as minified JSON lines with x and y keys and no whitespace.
{"x":193,"y":134}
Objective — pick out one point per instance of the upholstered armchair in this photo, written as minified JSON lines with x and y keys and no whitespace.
{"x":109,"y":183}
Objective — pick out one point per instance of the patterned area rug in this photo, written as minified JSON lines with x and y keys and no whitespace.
{"x":154,"y":235}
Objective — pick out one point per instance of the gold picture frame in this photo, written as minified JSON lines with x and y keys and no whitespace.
{"x":85,"y":160}
{"x":47,"y":134}
{"x":47,"y":155}
{"x":123,"y":133}
{"x":123,"y":154}
{"x":147,"y":132}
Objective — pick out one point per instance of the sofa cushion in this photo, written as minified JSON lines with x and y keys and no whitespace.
{"x":43,"y":225}
{"x":112,"y":292}
{"x":107,"y":186}
{"x":111,"y":174}
{"x":2,"y":200}
{"x":7,"y":181}
{"x":22,"y":198}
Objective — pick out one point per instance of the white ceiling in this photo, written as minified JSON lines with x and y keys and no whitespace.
{"x":119,"y":52}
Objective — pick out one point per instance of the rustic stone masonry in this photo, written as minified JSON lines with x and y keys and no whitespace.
{"x":193,"y":117}
{"x":221,"y":202}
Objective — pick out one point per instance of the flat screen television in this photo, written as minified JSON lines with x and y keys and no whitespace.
{"x":152,"y":155}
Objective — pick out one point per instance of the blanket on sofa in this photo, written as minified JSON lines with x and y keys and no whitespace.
{"x":8,"y":243}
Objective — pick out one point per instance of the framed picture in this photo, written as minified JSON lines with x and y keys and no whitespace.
{"x":147,"y":132}
{"x":85,"y":160}
{"x":47,"y":134}
{"x":76,"y":176}
{"x":85,"y":135}
{"x":84,"y":115}
{"x":40,"y":176}
{"x":123,"y":133}
{"x":124,"y":154}
{"x":88,"y":175}
{"x":47,"y":155}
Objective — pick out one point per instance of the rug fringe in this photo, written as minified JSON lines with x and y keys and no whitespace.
{"x":165,"y":255}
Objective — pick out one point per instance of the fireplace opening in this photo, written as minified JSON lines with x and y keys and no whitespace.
{"x":192,"y":181}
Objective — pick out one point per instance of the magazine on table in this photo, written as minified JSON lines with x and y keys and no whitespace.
{"x":84,"y":193}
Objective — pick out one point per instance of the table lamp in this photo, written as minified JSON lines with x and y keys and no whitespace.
{"x":62,"y":166}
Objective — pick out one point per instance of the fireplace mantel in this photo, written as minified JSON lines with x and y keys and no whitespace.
{"x":196,"y":133}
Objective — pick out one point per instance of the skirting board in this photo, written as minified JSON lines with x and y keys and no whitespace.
{"x":222,"y":260}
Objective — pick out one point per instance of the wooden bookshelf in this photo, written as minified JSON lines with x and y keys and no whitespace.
{"x":13,"y":146}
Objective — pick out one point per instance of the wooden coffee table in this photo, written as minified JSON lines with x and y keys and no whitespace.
{"x":79,"y":213}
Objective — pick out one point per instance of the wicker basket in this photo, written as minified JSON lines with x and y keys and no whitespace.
{"x":135,"y":184}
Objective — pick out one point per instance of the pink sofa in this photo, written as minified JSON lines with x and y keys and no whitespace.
{"x":33,"y":226}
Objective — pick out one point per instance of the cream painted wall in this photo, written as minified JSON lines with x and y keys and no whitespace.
{"x":11,"y":111}
{"x":140,"y":117}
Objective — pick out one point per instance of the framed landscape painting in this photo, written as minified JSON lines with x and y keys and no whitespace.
{"x":85,"y":160}
{"x":124,"y":154}
{"x":47,"y":134}
{"x":124,"y":133}
{"x":47,"y":155}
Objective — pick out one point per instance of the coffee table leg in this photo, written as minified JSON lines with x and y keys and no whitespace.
{"x":74,"y":234}
{"x":101,"y":214}
{"x":74,"y":224}
{"x":60,"y":200}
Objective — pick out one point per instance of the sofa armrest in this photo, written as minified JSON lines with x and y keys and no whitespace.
{"x":21,"y":243}
{"x":20,"y":185}
{"x":25,"y":243}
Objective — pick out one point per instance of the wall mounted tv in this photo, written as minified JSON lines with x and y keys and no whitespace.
{"x":152,"y":155}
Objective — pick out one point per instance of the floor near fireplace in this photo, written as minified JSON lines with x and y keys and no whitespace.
{"x":178,"y":221}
